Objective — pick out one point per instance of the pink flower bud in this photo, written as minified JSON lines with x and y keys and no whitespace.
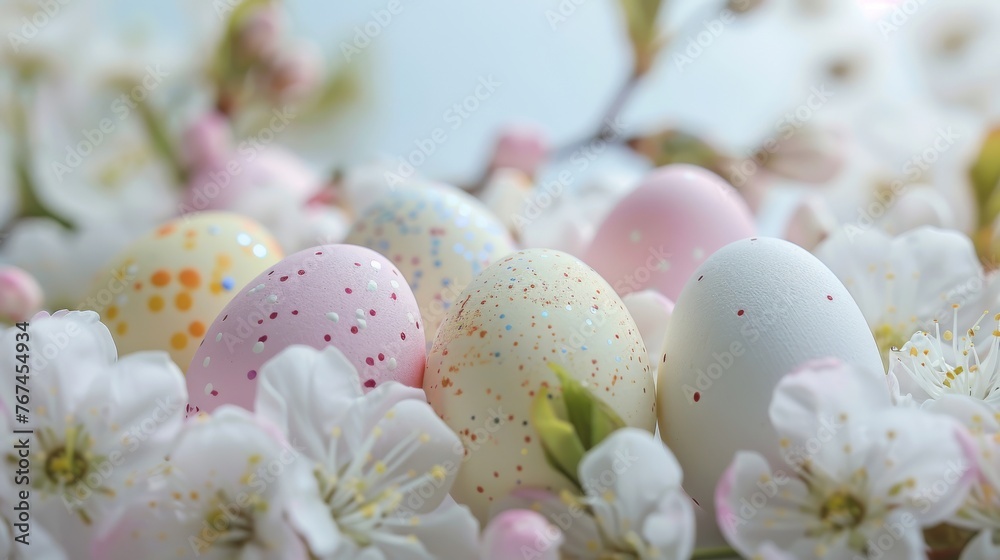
{"x":20,"y":295}
{"x":811,"y":155}
{"x":293,"y":73}
{"x":207,"y":141}
{"x":522,"y":147}
{"x":811,"y":223}
{"x":520,"y":533}
{"x":260,"y":35}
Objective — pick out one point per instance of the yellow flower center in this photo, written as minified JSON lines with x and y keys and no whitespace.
{"x":888,"y":337}
{"x":842,"y":511}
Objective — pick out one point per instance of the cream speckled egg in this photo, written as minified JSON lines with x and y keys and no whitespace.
{"x":165,"y":289}
{"x":754,"y":311}
{"x":439,"y":237}
{"x":490,"y":358}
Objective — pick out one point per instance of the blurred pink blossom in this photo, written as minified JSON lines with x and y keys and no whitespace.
{"x":293,"y":73}
{"x":207,"y":141}
{"x":20,"y":294}
{"x":260,"y":34}
{"x":522,"y":147}
{"x":811,"y":222}
{"x":521,"y":533}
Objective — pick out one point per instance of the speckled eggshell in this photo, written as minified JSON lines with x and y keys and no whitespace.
{"x":664,"y":229}
{"x":754,"y":311}
{"x":162,"y":291}
{"x":439,"y":237}
{"x":490,"y":358}
{"x":333,"y":295}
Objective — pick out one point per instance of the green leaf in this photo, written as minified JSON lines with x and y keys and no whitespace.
{"x":640,"y":19}
{"x":592,"y":418}
{"x":985,"y":176}
{"x":676,"y":146}
{"x":563,"y":448}
{"x":570,"y":422}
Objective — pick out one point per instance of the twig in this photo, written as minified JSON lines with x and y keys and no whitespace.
{"x":612,"y":112}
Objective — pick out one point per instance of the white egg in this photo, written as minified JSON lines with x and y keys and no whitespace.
{"x":439,"y":237}
{"x":491,"y":355}
{"x":754,"y":311}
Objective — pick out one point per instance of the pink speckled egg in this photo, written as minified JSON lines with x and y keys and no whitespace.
{"x":663,"y":230}
{"x":333,"y":295}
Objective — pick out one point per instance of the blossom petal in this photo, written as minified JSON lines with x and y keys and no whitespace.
{"x":756,"y":505}
{"x":948,"y":266}
{"x":899,"y":538}
{"x":450,"y":532}
{"x":435,"y":451}
{"x":303,"y":391}
{"x":227,"y":465}
{"x":984,"y":546}
{"x":641,"y":471}
{"x":819,"y":396}
{"x":670,"y":529}
{"x":69,"y":351}
{"x":858,"y":258}
{"x":143,"y":398}
{"x":920,"y":461}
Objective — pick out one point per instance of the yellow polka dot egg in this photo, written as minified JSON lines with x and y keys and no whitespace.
{"x":163,"y":290}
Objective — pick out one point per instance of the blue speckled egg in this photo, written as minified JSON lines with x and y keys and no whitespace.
{"x":439,"y":237}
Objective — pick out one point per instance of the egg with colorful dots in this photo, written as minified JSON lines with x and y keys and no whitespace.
{"x":163,"y":290}
{"x":491,"y":357}
{"x":333,"y":295}
{"x":663,"y":230}
{"x":439,"y":237}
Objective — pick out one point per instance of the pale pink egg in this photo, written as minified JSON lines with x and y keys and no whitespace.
{"x":333,"y":295}
{"x":663,"y":230}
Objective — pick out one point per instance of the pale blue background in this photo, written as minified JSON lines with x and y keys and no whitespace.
{"x":432,"y":54}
